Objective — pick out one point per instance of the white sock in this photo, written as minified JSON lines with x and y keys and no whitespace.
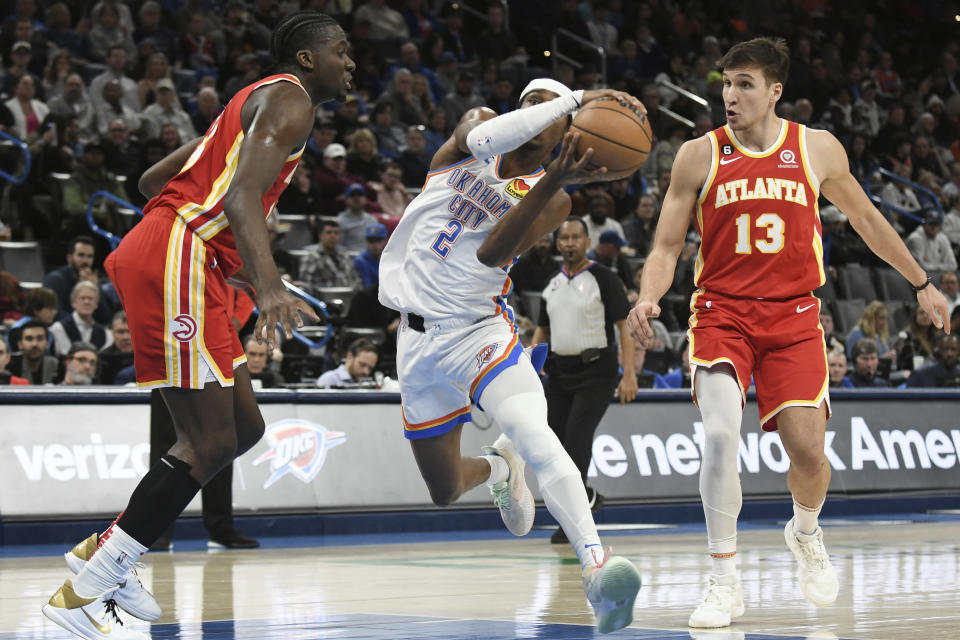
{"x":723,"y":556}
{"x":116,"y":554}
{"x":805,"y":518}
{"x":566,"y":500}
{"x":499,"y":469}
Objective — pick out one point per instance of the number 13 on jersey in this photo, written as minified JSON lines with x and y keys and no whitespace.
{"x":774,"y":226}
{"x":445,"y":239}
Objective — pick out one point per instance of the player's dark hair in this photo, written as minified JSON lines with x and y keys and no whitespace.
{"x":770,"y":54}
{"x":581,"y":221}
{"x":299,"y":31}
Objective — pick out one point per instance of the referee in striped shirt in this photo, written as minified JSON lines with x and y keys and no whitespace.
{"x":580,"y":306}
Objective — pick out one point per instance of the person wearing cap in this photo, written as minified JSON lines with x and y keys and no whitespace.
{"x":167,"y":110}
{"x":608,"y":253}
{"x":354,"y":218}
{"x":580,"y":306}
{"x":487,"y":200}
{"x":929,"y":245}
{"x":332,"y":179}
{"x":367,"y":263}
{"x":448,"y":66}
{"x":21,"y":54}
{"x":87,"y":178}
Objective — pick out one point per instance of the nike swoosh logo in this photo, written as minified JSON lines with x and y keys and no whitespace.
{"x":102,"y":628}
{"x":802,"y":309}
{"x":729,"y":160}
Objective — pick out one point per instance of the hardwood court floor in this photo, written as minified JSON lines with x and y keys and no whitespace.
{"x":900,"y":578}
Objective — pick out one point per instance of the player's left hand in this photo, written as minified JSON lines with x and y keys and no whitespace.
{"x":935,"y":305}
{"x":568,"y":169}
{"x":627,"y":389}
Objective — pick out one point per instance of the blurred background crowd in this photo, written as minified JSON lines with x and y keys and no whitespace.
{"x":97,"y":92}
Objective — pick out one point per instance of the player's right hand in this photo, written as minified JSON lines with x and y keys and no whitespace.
{"x":619,"y":96}
{"x":278,"y":306}
{"x":638,"y":322}
{"x":568,"y":169}
{"x":936,"y":307}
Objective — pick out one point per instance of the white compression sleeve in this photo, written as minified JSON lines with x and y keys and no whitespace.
{"x":718,"y":395}
{"x":507,"y":132}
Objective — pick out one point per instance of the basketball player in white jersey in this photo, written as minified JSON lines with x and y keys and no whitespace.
{"x":487,"y":198}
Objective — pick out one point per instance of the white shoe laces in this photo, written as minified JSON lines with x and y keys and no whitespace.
{"x":501,"y":495}
{"x":719,"y":595}
{"x":814,"y":554}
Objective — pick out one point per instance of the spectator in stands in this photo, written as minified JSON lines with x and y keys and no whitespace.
{"x":116,"y":70}
{"x":107,"y":32}
{"x":456,"y":40}
{"x":873,"y":326}
{"x":240,"y":32}
{"x":354,"y":220}
{"x":80,"y":259}
{"x":841,"y":246}
{"x":894,"y":128}
{"x":830,"y":337}
{"x":463,"y":98}
{"x":861,"y":160}
{"x":80,"y":364}
{"x":414,"y":159}
{"x":926,"y":158}
{"x":916,"y":340}
{"x":362,"y":157}
{"x":638,"y":229}
{"x":208,"y":107}
{"x":33,"y":363}
{"x":170,"y":138}
{"x":930,"y":246}
{"x":7,"y":378}
{"x":664,"y":151}
{"x":12,"y":298}
{"x":950,"y":288}
{"x":61,"y":33}
{"x":497,"y":42}
{"x":392,"y":196}
{"x":328,"y":264}
{"x":28,"y":112}
{"x":80,"y":324}
{"x":579,"y":199}
{"x":899,"y":193}
{"x":40,"y":304}
{"x":410,"y":60}
{"x":167,"y":111}
{"x":358,"y":366}
{"x":447,"y":70}
{"x":301,"y":197}
{"x":260,"y":366}
{"x":865,"y":364}
{"x":55,"y":75}
{"x":367,"y":264}
{"x":532,"y":270}
{"x":598,"y":220}
{"x":163,"y":38}
{"x":249,"y":70}
{"x":624,"y":199}
{"x":121,"y":153}
{"x":385,"y":23}
{"x":111,"y":107}
{"x":119,"y":355}
{"x":422,"y":96}
{"x":608,"y":253}
{"x":945,"y":372}
{"x":837,"y":365}
{"x":21,"y":54}
{"x":74,"y":102}
{"x":156,"y":68}
{"x":420,"y":20}
{"x":436,"y":131}
{"x":57,"y":155}
{"x":89,"y":177}
{"x":889,"y":85}
{"x":332,"y":178}
{"x":399,"y":95}
{"x":867,"y":112}
{"x":324,"y":133}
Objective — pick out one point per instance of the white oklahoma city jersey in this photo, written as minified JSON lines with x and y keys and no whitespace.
{"x":430,"y":266}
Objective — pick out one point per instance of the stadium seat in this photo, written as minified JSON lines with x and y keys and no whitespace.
{"x":848,"y":314}
{"x":298,"y":234}
{"x":856,"y":282}
{"x":898,"y":315}
{"x":24,"y":260}
{"x":828,"y":291}
{"x":894,"y":286}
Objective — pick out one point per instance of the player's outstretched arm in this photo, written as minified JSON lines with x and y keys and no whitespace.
{"x":837,"y":184}
{"x":688,"y":175}
{"x":277,"y":120}
{"x":154,"y":178}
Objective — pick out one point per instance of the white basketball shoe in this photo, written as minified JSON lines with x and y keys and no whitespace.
{"x":90,"y":618}
{"x":512,"y":496}
{"x":612,"y":588}
{"x":131,"y":595}
{"x":723,"y":603}
{"x":818,"y":580}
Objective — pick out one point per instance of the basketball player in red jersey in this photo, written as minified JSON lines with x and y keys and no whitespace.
{"x":204,"y":225}
{"x":754,"y":185}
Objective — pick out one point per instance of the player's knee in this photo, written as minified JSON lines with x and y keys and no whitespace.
{"x":443,"y":496}
{"x":249,"y":432}
{"x":721,"y":444}
{"x":808,"y":458}
{"x":218,"y":451}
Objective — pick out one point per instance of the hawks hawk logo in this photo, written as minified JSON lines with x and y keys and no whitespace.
{"x":298,"y":447}
{"x":517,"y":188}
{"x":183,"y":327}
{"x":486,"y":354}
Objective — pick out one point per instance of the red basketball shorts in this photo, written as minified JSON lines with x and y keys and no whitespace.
{"x":175,"y":297}
{"x":777,"y":342}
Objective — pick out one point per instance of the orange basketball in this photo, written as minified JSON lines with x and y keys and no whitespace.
{"x":619,"y":135}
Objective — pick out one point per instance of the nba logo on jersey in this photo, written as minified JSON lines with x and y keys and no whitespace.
{"x":517,"y":188}
{"x":486,"y":354}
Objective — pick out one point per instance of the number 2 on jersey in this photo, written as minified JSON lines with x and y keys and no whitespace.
{"x":774,"y":240}
{"x":445,"y":239}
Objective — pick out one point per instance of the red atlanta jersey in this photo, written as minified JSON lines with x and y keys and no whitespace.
{"x":758,"y":219}
{"x":197,"y":191}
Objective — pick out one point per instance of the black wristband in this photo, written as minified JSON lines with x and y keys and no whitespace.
{"x":923,"y":286}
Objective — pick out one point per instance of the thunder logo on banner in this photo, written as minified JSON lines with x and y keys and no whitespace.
{"x":298,"y":447}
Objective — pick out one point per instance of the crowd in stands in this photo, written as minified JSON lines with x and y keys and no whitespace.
{"x":101,"y":90}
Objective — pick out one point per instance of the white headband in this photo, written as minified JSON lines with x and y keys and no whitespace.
{"x":547,"y":84}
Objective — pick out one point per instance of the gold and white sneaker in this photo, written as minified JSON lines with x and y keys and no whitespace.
{"x":131,"y":595}
{"x":512,"y":496}
{"x":90,"y":618}
{"x":723,"y":603}
{"x":818,"y":580}
{"x":612,"y":588}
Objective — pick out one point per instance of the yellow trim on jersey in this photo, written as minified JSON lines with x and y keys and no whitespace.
{"x":704,"y":192}
{"x":813,"y":184}
{"x":171,"y":297}
{"x":694,"y":362}
{"x":192,"y":160}
{"x":784,"y":128}
{"x":195,"y":306}
{"x":193,"y":210}
{"x":202,"y":319}
{"x":152,"y":384}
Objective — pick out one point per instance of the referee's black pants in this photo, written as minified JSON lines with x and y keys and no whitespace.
{"x":217,"y":495}
{"x":577,"y":397}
